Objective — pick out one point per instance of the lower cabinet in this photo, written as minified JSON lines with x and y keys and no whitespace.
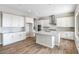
{"x":9,"y":38}
{"x":45,"y":40}
{"x":67,"y":35}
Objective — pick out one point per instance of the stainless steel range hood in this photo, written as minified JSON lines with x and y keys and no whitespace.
{"x":52,"y":19}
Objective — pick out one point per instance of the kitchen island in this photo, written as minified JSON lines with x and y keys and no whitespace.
{"x":48,"y":38}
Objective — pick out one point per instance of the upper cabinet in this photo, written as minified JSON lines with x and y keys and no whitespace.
{"x":65,"y":21}
{"x":29,"y":20}
{"x":9,"y":20}
{"x":6,"y":20}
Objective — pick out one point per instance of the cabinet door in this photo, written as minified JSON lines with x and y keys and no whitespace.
{"x":10,"y":20}
{"x":14,"y":21}
{"x":22,"y":35}
{"x":7,"y":39}
{"x":70,"y":35}
{"x":13,"y":37}
{"x":7,"y":20}
{"x":17,"y":21}
{"x":67,"y":35}
{"x":19,"y":36}
{"x":10,"y":38}
{"x":21,"y":21}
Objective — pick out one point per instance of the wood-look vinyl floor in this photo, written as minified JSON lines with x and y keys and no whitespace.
{"x":28,"y":46}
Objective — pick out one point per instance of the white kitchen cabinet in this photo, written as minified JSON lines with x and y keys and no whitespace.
{"x":18,"y":21}
{"x":29,"y":20}
{"x":65,"y":21}
{"x":9,"y":38}
{"x":48,"y":39}
{"x":22,"y":35}
{"x":7,"y":20}
{"x":45,"y":40}
{"x":10,"y":20}
{"x":67,"y":35}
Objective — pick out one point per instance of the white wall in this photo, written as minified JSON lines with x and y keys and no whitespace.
{"x":65,"y":21}
{"x":76,"y":29}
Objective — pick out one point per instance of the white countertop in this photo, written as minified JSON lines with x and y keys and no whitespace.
{"x":47,"y":33}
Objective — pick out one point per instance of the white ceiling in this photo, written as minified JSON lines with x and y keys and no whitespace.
{"x":38,"y":10}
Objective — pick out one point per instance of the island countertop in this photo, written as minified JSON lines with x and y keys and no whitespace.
{"x":47,"y":33}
